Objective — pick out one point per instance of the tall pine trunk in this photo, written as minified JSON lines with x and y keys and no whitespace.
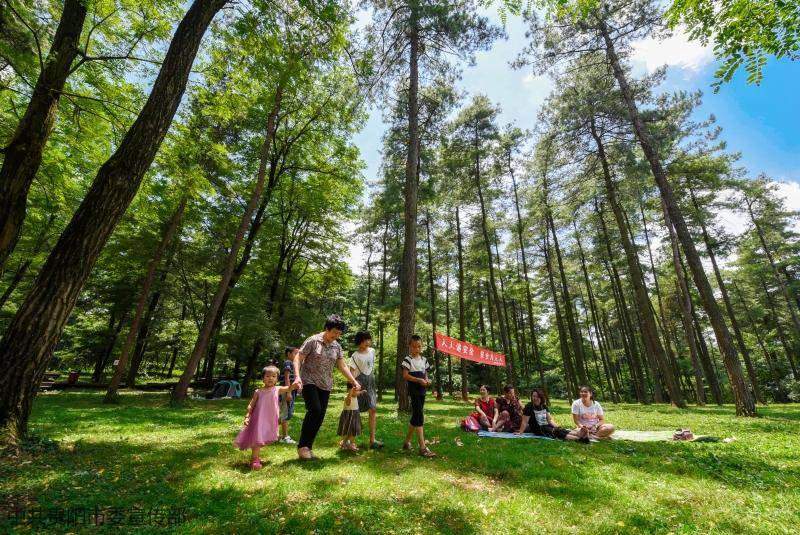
{"x":652,"y":341}
{"x":22,"y":156}
{"x":462,"y":323}
{"x":181,"y":389}
{"x":29,"y":339}
{"x":408,"y":264}
{"x":685,"y":299}
{"x":528,"y":298}
{"x":743,"y":399}
{"x":737,"y":332}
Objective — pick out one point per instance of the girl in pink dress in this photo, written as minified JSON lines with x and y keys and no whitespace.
{"x":261,"y":421}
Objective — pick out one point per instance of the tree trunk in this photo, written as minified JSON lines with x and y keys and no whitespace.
{"x":23,"y":154}
{"x":566,"y":357}
{"x":432,"y":288}
{"x":447,"y":323}
{"x":628,"y":336}
{"x":776,"y":376}
{"x":408,"y":265}
{"x":771,"y":260}
{"x":170,"y":230}
{"x":686,"y":313}
{"x":528,"y":298}
{"x":577,"y":340}
{"x":141,"y":337}
{"x":778,"y":328}
{"x":181,"y":389}
{"x":462,"y":322}
{"x":102,"y":361}
{"x":489,"y":258}
{"x":613,"y":387}
{"x":369,"y":290}
{"x":381,"y":327}
{"x":33,"y":333}
{"x":737,"y":332}
{"x":743,"y":399}
{"x":652,"y":341}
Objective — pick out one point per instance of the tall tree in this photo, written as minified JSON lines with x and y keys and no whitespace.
{"x":29,"y":339}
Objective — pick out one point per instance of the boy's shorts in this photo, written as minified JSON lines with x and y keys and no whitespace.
{"x":287,"y":406}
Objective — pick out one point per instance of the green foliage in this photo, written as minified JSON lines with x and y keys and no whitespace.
{"x":745,"y":33}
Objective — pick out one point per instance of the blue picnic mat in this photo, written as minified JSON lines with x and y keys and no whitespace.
{"x":496,"y":434}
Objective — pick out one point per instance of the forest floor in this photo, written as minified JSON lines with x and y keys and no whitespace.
{"x":142,"y":462}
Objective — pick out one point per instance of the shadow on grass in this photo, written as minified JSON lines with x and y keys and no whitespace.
{"x":183,"y":470}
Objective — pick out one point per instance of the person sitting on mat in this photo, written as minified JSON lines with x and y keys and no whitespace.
{"x":536,"y":419}
{"x":588,"y":414}
{"x":485,"y":410}
{"x":510,"y":410}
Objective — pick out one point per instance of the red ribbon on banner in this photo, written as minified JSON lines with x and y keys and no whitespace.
{"x":467,"y":351}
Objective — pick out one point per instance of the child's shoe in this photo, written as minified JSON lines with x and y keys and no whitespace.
{"x":288,"y":440}
{"x":255,"y":465}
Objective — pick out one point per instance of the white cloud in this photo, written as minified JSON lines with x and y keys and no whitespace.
{"x":674,"y":51}
{"x":537,"y":88}
{"x":791,"y":192}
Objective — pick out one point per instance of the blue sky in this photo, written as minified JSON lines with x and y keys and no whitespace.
{"x":761,"y":122}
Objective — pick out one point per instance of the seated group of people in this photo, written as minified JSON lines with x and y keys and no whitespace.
{"x":506,"y":413}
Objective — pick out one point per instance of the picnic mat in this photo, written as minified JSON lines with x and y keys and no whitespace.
{"x":657,"y":436}
{"x":497,"y":434}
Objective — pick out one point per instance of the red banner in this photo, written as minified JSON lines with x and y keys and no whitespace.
{"x":467,"y":351}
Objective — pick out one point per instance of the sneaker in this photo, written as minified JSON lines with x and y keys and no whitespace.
{"x":288,"y":440}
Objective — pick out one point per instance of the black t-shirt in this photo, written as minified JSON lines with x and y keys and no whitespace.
{"x":537,"y":417}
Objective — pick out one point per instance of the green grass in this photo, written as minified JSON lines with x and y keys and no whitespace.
{"x":143,"y":453}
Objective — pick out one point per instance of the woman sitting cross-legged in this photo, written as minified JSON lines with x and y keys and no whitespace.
{"x":536,"y":419}
{"x":510,"y":410}
{"x":485,"y":410}
{"x":588,"y":414}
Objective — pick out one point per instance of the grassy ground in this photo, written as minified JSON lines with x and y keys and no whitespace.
{"x":144,"y":454}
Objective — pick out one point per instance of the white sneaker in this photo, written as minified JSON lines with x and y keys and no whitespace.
{"x":288,"y":440}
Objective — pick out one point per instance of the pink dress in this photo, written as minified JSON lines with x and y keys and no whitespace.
{"x":263,"y":427}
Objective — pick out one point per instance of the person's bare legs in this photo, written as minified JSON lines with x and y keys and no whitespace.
{"x":409,"y":435}
{"x":255,"y":456}
{"x":284,"y":428}
{"x":372,"y":425}
{"x":604,"y":431}
{"x":577,"y":434}
{"x":421,"y":438}
{"x":484,"y":421}
{"x":501,"y":421}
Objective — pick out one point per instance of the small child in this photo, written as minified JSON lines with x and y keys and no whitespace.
{"x":350,"y":420}
{"x":261,"y":422}
{"x":415,"y":372}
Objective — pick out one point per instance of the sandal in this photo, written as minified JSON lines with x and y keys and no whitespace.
{"x":406,"y":446}
{"x":376,"y":445}
{"x":427,"y":453}
{"x":304,"y":454}
{"x":255,"y":465}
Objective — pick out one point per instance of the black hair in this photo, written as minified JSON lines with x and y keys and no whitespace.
{"x":590,"y":389}
{"x":542,"y":396}
{"x":361,"y":336}
{"x":335,"y":321}
{"x":415,"y":338}
{"x":508,"y":388}
{"x":288,"y":350}
{"x":486,"y":387}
